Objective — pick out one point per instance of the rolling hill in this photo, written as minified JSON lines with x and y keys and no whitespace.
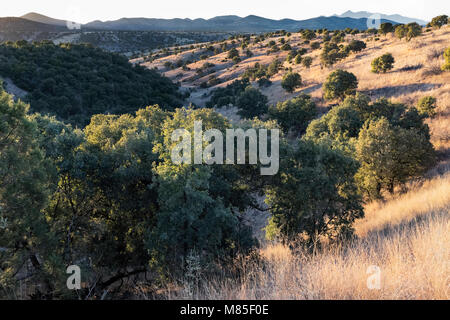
{"x":13,"y":24}
{"x":36,"y":17}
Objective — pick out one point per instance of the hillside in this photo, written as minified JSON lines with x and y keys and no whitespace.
{"x":416,"y":72}
{"x":75,"y":82}
{"x":15,"y":25}
{"x":406,"y":237}
{"x":36,"y":17}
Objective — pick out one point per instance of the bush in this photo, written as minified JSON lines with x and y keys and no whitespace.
{"x":409,"y":31}
{"x":383,"y":63}
{"x":331,"y":53}
{"x":386,"y":28}
{"x":286,"y":47}
{"x":298,"y":59}
{"x":251,"y":103}
{"x":224,"y":96}
{"x":313,"y":174}
{"x":427,"y":106}
{"x":295,"y":113}
{"x":233,"y":53}
{"x":307,"y":61}
{"x":339,"y":84}
{"x":315,"y":45}
{"x":446,"y":66}
{"x":291,"y":81}
{"x":356,"y":45}
{"x":264,"y":82}
{"x":439,"y":21}
{"x":390,"y":155}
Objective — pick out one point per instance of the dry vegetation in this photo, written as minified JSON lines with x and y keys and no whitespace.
{"x":416,"y":73}
{"x":407,"y":236}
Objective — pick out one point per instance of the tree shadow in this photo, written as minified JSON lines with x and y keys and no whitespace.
{"x":395,"y":91}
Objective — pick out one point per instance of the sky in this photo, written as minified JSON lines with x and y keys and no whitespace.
{"x":88,"y":10}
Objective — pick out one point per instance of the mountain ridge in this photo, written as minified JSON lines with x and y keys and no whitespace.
{"x":393,"y":17}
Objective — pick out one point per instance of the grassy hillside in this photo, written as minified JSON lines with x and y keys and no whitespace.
{"x":416,"y":72}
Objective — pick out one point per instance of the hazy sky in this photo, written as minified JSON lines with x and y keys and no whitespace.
{"x":87,"y":10}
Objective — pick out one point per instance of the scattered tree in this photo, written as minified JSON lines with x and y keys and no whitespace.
{"x":291,"y":81}
{"x":339,"y":84}
{"x":383,"y":63}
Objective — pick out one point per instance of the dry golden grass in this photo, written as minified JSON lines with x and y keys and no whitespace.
{"x":408,"y":238}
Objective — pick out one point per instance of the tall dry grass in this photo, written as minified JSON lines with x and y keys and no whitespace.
{"x":408,"y":238}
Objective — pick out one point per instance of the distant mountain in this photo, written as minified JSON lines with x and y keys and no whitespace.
{"x":12,"y":24}
{"x":36,"y":17}
{"x":393,"y":17}
{"x":228,"y":24}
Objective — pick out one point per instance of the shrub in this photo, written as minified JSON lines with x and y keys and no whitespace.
{"x":386,"y":28}
{"x":383,"y":63}
{"x":233,"y":53}
{"x":286,"y":47}
{"x":264,"y":82}
{"x":307,"y":61}
{"x":311,"y":174}
{"x":356,"y":45}
{"x":298,"y":59}
{"x":295,"y":113}
{"x":439,"y":21}
{"x":339,"y":84}
{"x":251,"y":103}
{"x":446,"y":66}
{"x":390,"y":155}
{"x":331,"y":53}
{"x":427,"y":106}
{"x":315,"y":45}
{"x":291,"y":81}
{"x":401,"y":31}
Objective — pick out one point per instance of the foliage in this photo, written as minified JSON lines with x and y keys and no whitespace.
{"x":75,"y":82}
{"x":332,"y":53}
{"x":224,"y":96}
{"x":291,"y":81}
{"x":389,"y":155}
{"x":251,"y":103}
{"x":383,"y":63}
{"x":294,"y":114}
{"x":339,"y":84}
{"x":439,"y":21}
{"x":427,"y":106}
{"x":24,"y":187}
{"x":386,"y":28}
{"x":446,"y":66}
{"x":307,"y":61}
{"x":314,"y":195}
{"x":356,"y":45}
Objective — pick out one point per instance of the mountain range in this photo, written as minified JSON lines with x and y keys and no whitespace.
{"x":231,"y":23}
{"x":393,"y":17}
